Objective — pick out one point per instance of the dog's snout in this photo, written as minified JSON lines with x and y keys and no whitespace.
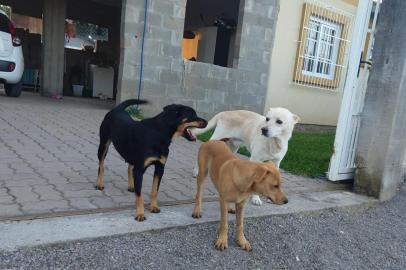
{"x":285,"y":201}
{"x":264,"y":131}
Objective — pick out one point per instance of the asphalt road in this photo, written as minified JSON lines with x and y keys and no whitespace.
{"x":371,"y":239}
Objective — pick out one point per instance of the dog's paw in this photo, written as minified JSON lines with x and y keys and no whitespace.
{"x":197,"y":214}
{"x":231,"y":211}
{"x":195,"y":171}
{"x":245,"y":245}
{"x":140,"y":218}
{"x":99,"y":187}
{"x":255,"y":200}
{"x":221,"y":244}
{"x":155,"y":209}
{"x":131,"y":189}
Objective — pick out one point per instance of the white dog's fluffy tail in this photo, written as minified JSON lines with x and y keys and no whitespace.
{"x":210,"y":125}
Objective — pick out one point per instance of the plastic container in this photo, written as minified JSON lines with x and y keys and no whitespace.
{"x":77,"y":90}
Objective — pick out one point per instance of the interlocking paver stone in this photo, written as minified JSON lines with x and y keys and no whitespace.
{"x":45,"y":206}
{"x":3,"y":192}
{"x":81,"y":203}
{"x":103,"y":202}
{"x":10,"y":210}
{"x":6,"y":199}
{"x":24,"y":195}
{"x":25,"y":182}
{"x":47,"y":192}
{"x":48,"y":161}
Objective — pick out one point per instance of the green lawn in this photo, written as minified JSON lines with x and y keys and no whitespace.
{"x":308,"y":155}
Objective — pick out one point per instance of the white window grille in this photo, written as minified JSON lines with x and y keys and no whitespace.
{"x":322,"y":46}
{"x":321,"y":50}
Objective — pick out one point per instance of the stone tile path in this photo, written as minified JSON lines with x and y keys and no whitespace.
{"x":48,"y":161}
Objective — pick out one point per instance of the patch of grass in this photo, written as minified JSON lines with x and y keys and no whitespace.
{"x":205,"y":136}
{"x":134,"y":113}
{"x":308,"y":155}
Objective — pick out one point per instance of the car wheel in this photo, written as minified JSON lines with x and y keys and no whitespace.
{"x":13,"y":90}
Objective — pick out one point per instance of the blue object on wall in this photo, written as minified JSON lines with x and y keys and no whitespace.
{"x":29,"y":77}
{"x":142,"y":51}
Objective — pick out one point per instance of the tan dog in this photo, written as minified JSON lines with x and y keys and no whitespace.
{"x":236,"y":180}
{"x":266,"y":137}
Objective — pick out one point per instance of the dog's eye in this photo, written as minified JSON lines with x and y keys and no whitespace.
{"x":276,"y":186}
{"x":279,"y":122}
{"x":267,"y":119}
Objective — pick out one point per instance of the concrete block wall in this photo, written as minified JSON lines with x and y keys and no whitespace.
{"x":167,"y":78}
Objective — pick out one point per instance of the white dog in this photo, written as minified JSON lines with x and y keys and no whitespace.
{"x":266,"y":137}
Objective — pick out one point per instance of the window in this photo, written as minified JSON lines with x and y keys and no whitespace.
{"x":210,"y":31}
{"x":321,"y":51}
{"x":84,"y":36}
{"x":4,"y":23}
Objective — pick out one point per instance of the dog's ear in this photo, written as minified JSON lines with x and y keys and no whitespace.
{"x":260,"y":173}
{"x":175,"y":108}
{"x":296,"y":119}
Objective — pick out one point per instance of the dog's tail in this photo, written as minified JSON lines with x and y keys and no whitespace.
{"x":210,"y":125}
{"x":123,"y":105}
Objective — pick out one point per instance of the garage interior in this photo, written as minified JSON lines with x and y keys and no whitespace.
{"x":85,"y":63}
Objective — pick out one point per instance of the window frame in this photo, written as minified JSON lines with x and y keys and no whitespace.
{"x":317,"y":59}
{"x":327,"y":17}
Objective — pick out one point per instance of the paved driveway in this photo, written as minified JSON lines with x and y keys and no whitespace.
{"x":48,"y":162}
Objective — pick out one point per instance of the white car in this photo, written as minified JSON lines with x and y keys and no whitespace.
{"x":11,"y":57}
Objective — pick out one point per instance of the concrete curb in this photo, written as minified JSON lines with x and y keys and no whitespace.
{"x":29,"y":233}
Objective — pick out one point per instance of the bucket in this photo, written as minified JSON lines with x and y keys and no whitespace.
{"x":77,"y":90}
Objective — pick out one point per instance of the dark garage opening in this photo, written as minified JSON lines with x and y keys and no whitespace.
{"x":91,"y":62}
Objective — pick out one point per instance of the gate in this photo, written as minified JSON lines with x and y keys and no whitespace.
{"x":342,"y":163}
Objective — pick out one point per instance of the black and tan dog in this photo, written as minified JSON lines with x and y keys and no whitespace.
{"x":144,"y":143}
{"x":235,"y":180}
